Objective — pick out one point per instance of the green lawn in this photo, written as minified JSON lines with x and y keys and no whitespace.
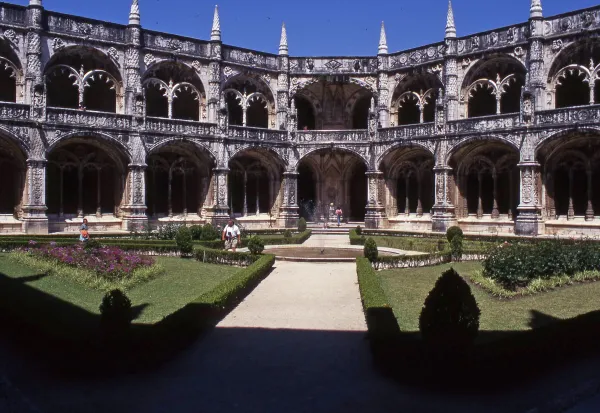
{"x":183,"y":281}
{"x":407,"y":289}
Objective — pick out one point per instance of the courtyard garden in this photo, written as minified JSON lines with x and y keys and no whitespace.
{"x":129,"y":305}
{"x":514,"y":307}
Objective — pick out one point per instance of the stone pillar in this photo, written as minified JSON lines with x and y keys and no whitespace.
{"x":406,"y":195}
{"x":511,"y":196}
{"x":170,"y":193}
{"x":245,"y":210}
{"x":214,"y":81}
{"x":536,"y":60}
{"x":451,"y":79}
{"x":257,"y":195}
{"x":495,"y":211}
{"x":589,"y":212}
{"x":571,"y":212}
{"x":551,"y":207}
{"x":80,"y":191}
{"x":529,"y":220}
{"x":33,"y":70}
{"x":134,"y":210}
{"x":443,"y":210}
{"x":419,"y":195}
{"x":99,"y":193}
{"x":375,"y":216}
{"x":61,"y":211}
{"x":479,"y":200}
{"x":288,"y":212}
{"x":35,"y":220}
{"x":184,"y":195}
{"x":218,"y":212}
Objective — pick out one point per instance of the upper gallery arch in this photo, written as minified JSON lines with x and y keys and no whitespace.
{"x":83,"y":77}
{"x":492,"y":86}
{"x":174,"y":90}
{"x":414,"y":97}
{"x":250,"y":100}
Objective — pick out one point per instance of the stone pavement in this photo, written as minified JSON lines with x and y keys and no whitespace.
{"x":296,"y":344}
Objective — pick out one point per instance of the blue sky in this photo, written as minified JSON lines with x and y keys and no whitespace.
{"x":317,"y":27}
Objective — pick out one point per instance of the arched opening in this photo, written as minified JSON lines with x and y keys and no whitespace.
{"x":254,"y":182}
{"x":331,"y":178}
{"x":177,"y":180}
{"x":12,"y":170}
{"x":571,"y":165}
{"x":409,"y":183}
{"x":85,"y":78}
{"x":174,"y":90}
{"x":414,"y":99}
{"x":85,"y":177}
{"x":337,"y":104}
{"x":306,"y":114}
{"x":249,"y":102}
{"x":11,"y":74}
{"x":487,"y":180}
{"x":493,"y":86}
{"x":572,"y":73}
{"x":360,"y":113}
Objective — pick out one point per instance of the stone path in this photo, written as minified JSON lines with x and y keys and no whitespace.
{"x":296,"y":344}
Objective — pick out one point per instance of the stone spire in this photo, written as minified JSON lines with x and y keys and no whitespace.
{"x":215,"y":34}
{"x":383,"y":47}
{"x":450,"y":26}
{"x":35,"y":3}
{"x":134,"y":13}
{"x":283,"y":43}
{"x":535,"y":12}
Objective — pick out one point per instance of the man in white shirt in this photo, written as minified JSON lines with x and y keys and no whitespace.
{"x":232,"y":236}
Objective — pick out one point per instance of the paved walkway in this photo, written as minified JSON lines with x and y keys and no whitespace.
{"x":323,"y":240}
{"x":296,"y":344}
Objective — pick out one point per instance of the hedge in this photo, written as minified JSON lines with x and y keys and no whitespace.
{"x":241,"y":259}
{"x":297,"y":238}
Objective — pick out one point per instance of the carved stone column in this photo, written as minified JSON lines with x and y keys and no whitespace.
{"x":529,"y":220}
{"x":551,"y":204}
{"x":35,"y":220}
{"x":99,"y":193}
{"x":419,"y":196}
{"x":288,"y":212}
{"x":536,"y":61}
{"x":571,"y":212}
{"x":589,"y":212}
{"x":214,"y":81}
{"x":257,"y":196}
{"x":451,"y":79}
{"x":33,"y":70}
{"x":479,"y":196}
{"x":406,"y":195}
{"x":375,"y":216}
{"x":443,"y":210}
{"x":495,"y":211}
{"x":134,"y":210}
{"x":80,"y":191}
{"x":245,"y":210}
{"x":511,"y":196}
{"x":218,"y":212}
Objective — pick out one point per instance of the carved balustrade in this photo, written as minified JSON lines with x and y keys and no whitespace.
{"x":330,"y":65}
{"x":581,"y":114}
{"x":105,"y":120}
{"x":483,"y":124}
{"x":14,"y":111}
{"x":357,"y":135}
{"x":181,"y":127}
{"x":257,"y":134}
{"x":12,"y":14}
{"x":407,"y":132}
{"x":250,"y":58}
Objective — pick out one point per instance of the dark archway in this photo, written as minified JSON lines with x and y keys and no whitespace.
{"x":360,"y":113}
{"x":307,"y":187}
{"x":306,"y":114}
{"x":12,"y":170}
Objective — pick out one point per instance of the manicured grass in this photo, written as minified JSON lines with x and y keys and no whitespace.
{"x":182,"y":281}
{"x":407,"y":289}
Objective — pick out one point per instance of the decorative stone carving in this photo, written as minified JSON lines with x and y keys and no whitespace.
{"x":149,"y":59}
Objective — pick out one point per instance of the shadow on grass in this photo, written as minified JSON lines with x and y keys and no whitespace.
{"x":69,"y":340}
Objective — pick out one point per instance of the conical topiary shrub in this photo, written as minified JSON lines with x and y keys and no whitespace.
{"x":370,"y":250}
{"x":449,"y":320}
{"x":115,"y":312}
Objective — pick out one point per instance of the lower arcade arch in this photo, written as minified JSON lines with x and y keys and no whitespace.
{"x":255,"y":178}
{"x":570,"y":173}
{"x":331,"y":178}
{"x":178,"y":178}
{"x":13,"y":171}
{"x":409,"y":182}
{"x":487,"y":180}
{"x":85,"y":177}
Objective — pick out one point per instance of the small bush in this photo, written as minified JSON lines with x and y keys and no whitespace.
{"x":301,"y":225}
{"x":456,"y":248}
{"x":115,"y":312}
{"x":358,"y":231}
{"x":196,"y":231}
{"x":287,"y":234}
{"x":441,"y":245}
{"x":370,"y":250}
{"x":184,"y":242}
{"x":452,"y":232}
{"x":449,"y":320}
{"x":256,"y":245}
{"x":210,"y":233}
{"x":168,"y":231}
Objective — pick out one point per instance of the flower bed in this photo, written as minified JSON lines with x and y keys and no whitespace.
{"x":108,"y":261}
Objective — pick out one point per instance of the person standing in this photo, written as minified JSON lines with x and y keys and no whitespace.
{"x":339,"y":213}
{"x":84,"y":235}
{"x":232,"y":236}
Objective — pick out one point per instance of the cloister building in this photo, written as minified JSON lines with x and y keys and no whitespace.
{"x":497,"y":132}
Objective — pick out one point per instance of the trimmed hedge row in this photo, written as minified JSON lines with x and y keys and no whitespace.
{"x":210,"y":256}
{"x":298,"y":238}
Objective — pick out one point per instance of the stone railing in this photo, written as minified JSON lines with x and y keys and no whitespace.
{"x":358,"y":135}
{"x":182,"y":127}
{"x":175,"y":44}
{"x":348,"y":65}
{"x":88,"y":28}
{"x":12,"y":14}
{"x":14,"y":111}
{"x":257,"y":134}
{"x":407,"y":132}
{"x":579,"y":114}
{"x":484,"y":124}
{"x":418,"y":56}
{"x":249,"y":58}
{"x":88,"y":118}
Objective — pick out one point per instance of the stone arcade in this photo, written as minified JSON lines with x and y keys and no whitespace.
{"x":497,"y":132}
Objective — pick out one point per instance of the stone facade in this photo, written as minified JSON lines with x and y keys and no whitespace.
{"x":497,"y":132}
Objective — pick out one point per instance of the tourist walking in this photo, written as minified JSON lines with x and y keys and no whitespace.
{"x":232,"y":236}
{"x":339,"y":213}
{"x":84,"y":235}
